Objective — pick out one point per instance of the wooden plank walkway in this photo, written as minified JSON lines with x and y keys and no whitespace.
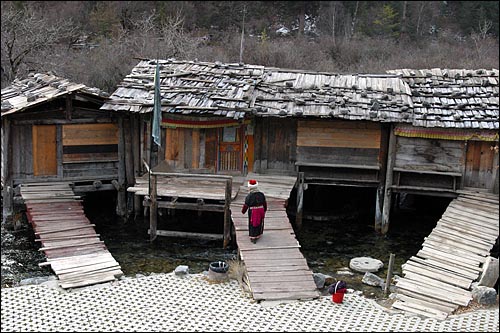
{"x":73,"y":249}
{"x":438,"y":279}
{"x":276,"y":269}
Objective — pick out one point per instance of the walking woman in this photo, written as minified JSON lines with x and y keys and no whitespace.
{"x":255,"y":203}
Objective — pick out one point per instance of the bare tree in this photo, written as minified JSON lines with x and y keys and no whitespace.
{"x":403,"y":31}
{"x":354,"y":19}
{"x":24,"y":33}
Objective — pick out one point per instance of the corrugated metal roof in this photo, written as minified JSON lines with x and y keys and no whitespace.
{"x":453,"y":98}
{"x":39,"y":88}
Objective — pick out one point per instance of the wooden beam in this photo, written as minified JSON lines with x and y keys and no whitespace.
{"x":191,"y":235}
{"x":121,"y":209}
{"x":391,"y":156}
{"x":227,"y":212}
{"x":6,"y":169}
{"x":300,"y":200}
{"x":69,"y":106}
{"x":153,"y":208}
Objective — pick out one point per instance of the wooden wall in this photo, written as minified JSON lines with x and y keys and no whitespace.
{"x":275,"y":145}
{"x":429,"y":155}
{"x":50,"y":143}
{"x":338,"y":142}
{"x":481,"y":166}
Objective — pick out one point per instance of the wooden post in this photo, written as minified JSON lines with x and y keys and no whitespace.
{"x":135,"y":132}
{"x":153,"y":209}
{"x":300,"y":200}
{"x":137,"y":205}
{"x":388,"y":182}
{"x":59,"y":151}
{"x":69,"y":106}
{"x":463,"y":168}
{"x":6,"y":167}
{"x":121,"y":209}
{"x":227,"y":212}
{"x":389,"y":274}
{"x":129,"y":165}
{"x":379,"y":199}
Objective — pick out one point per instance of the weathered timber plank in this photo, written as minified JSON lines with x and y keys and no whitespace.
{"x":446,"y":226}
{"x":424,"y":303}
{"x":436,"y":240}
{"x":435,"y":278}
{"x":435,"y":292}
{"x":275,"y":296}
{"x":70,"y":245}
{"x":440,"y":257}
{"x":67,"y":237}
{"x":65,"y":229}
{"x":420,"y":310}
{"x":458,"y":259}
{"x":459,"y":271}
{"x":436,"y":302}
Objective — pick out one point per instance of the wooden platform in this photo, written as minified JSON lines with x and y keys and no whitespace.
{"x":438,"y":279}
{"x":275,"y":267}
{"x":177,"y":187}
{"x":73,"y":249}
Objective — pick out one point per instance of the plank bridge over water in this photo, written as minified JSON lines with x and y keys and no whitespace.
{"x":438,"y":279}
{"x":276,"y":269}
{"x":73,"y":249}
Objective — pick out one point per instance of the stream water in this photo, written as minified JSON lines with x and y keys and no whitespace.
{"x":327,"y":244}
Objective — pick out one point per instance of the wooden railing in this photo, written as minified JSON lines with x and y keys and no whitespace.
{"x":153,"y":202}
{"x":229,"y":161}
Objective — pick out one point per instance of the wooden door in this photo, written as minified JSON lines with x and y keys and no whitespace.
{"x":481,"y":164}
{"x":44,"y":150}
{"x":230,"y":149}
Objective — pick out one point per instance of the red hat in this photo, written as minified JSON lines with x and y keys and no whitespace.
{"x":252,"y":183}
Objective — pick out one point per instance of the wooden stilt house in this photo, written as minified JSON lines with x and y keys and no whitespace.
{"x":204,"y":114}
{"x":364,"y":130}
{"x":452,"y":141}
{"x":334,"y":128}
{"x":237,"y":118}
{"x":54,"y":131}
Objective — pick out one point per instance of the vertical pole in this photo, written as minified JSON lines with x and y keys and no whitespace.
{"x":153,"y":208}
{"x":300,"y":200}
{"x":59,"y":151}
{"x":389,"y":274}
{"x":463,"y":166}
{"x":129,"y":165}
{"x":382,"y":157}
{"x":121,"y":209}
{"x":388,"y":182}
{"x":137,"y":205}
{"x":7,"y":158}
{"x":227,"y":212}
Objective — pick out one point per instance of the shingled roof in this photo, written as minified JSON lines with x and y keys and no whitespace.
{"x":426,"y":98}
{"x":188,"y":87}
{"x":453,"y":98}
{"x":376,"y":97}
{"x":39,"y":88}
{"x":233,"y":90}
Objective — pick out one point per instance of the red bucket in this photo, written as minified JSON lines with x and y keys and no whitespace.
{"x":337,"y":297}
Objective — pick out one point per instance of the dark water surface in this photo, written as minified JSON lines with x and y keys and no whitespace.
{"x":327,"y":245}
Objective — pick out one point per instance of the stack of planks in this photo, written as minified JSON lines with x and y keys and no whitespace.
{"x":73,"y":249}
{"x":438,"y":279}
{"x":276,"y":269}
